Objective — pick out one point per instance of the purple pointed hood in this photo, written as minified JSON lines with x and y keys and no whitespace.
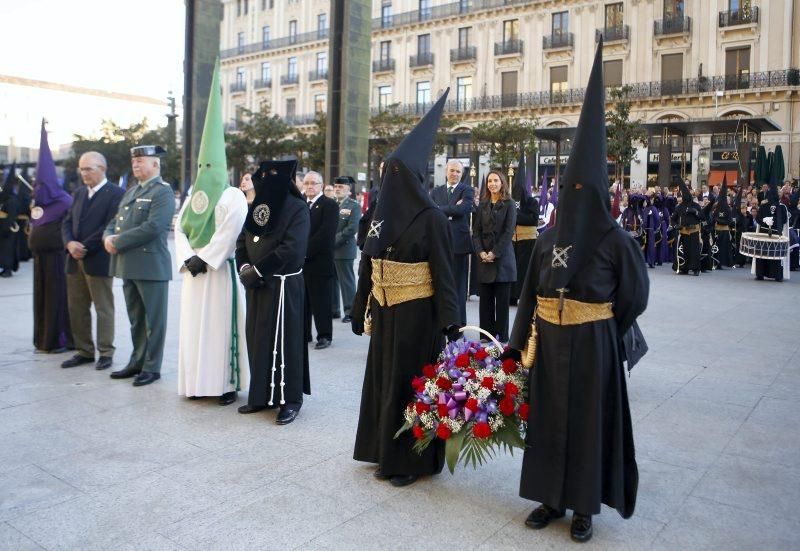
{"x":51,"y":202}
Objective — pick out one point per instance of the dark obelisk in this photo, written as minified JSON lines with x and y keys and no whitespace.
{"x":347,"y":139}
{"x":202,"y":49}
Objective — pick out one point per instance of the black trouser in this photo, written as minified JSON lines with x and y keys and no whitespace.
{"x":319,"y":290}
{"x":493,"y":308}
{"x":460,"y":272}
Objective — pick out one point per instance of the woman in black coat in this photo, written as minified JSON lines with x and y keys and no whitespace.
{"x":497,"y":270}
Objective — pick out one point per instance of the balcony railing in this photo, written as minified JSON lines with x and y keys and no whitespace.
{"x":292,"y":78}
{"x":672,"y":25}
{"x":461,"y":7}
{"x":383,"y":65}
{"x":610,"y":34}
{"x":421,"y":59}
{"x":275,"y":43}
{"x":641,"y":91}
{"x":262,"y":83}
{"x":318,"y":74}
{"x":238,"y":87}
{"x":299,"y":120}
{"x":744,"y":16}
{"x":463,"y":54}
{"x":561,"y":40}
{"x":507,"y":47}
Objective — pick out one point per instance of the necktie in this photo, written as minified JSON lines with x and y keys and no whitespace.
{"x":309,"y":204}
{"x":450,"y":191}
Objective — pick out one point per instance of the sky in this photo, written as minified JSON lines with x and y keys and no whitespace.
{"x":114,"y":45}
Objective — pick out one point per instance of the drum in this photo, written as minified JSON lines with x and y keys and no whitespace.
{"x":761,"y":245}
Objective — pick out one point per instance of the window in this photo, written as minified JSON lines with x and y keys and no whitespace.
{"x":240,"y":42}
{"x":291,"y":68}
{"x":292,"y":31}
{"x":320,"y":103}
{"x":238,"y":8}
{"x":673,"y":9}
{"x":322,"y":63}
{"x":510,"y":30}
{"x":265,"y":36}
{"x":424,"y":10}
{"x":386,"y":15}
{"x":464,"y":6}
{"x":322,"y":22}
{"x":384,"y":97}
{"x":671,"y":73}
{"x":463,"y":37}
{"x":558,"y":83}
{"x":266,"y":72}
{"x":560,"y":24}
{"x":263,"y":5}
{"x":612,"y":73}
{"x":240,"y":76}
{"x":737,"y":68}
{"x":614,"y":19}
{"x":423,"y":95}
{"x":735,"y":5}
{"x":245,"y":2}
{"x":291,"y":105}
{"x":386,"y":51}
{"x":423,"y":44}
{"x":463,"y":92}
{"x":508,"y":83}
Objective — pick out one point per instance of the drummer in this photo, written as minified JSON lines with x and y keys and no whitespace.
{"x":771,"y":218}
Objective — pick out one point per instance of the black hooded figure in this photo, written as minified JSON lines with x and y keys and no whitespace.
{"x":687,"y":217}
{"x":270,"y":253}
{"x":406,"y":287}
{"x":706,"y":235}
{"x":771,"y":210}
{"x":587,"y":283}
{"x":722,"y":218}
{"x":527,"y":220}
{"x":742,"y":222}
{"x":9,"y":226}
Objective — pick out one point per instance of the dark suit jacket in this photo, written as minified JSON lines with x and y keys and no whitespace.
{"x":85,"y":222}
{"x":457,"y":214}
{"x":322,"y":236}
{"x":494,"y":227}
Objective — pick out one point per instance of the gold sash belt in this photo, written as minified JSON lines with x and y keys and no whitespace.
{"x":689,"y":230}
{"x":574,"y":312}
{"x":396,"y":282}
{"x":3,"y":214}
{"x":722,"y":227}
{"x":524,"y":233}
{"x":23,"y":217}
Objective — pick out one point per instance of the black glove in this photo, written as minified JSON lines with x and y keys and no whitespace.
{"x":250,"y":278}
{"x":357,"y":325}
{"x":453,"y":333}
{"x":196,"y":265}
{"x":512,"y":353}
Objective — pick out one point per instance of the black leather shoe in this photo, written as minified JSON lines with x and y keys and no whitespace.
{"x":401,"y":480}
{"x":336,"y":316}
{"x":380,"y":476}
{"x":125,"y":373}
{"x":247,"y":408}
{"x":347,"y":319}
{"x":6,"y":273}
{"x":227,"y":399}
{"x":541,"y":517}
{"x":322,"y":343}
{"x":76,"y":360}
{"x":287,"y":415}
{"x":581,"y":529}
{"x":145,"y":378}
{"x":104,"y":362}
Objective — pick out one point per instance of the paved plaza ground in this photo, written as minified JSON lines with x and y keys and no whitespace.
{"x":87,"y":462}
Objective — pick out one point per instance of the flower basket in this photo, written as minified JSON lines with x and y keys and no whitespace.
{"x":471,"y":400}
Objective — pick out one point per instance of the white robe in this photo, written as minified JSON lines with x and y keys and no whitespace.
{"x":204,"y":351}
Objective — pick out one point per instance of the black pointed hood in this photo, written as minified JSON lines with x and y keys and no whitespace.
{"x":584,"y":208}
{"x":274,"y":181}
{"x":686,"y":195}
{"x":519,"y":191}
{"x":722,"y":207}
{"x":403,"y":192}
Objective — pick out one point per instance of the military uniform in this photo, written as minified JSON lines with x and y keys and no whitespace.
{"x":144,"y":264}
{"x":344,"y":254}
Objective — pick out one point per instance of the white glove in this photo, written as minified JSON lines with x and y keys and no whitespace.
{"x":768,"y":220}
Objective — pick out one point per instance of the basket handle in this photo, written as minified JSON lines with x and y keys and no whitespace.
{"x":484,"y":333}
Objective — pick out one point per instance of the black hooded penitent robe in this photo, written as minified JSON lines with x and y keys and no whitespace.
{"x":527,"y":215}
{"x":51,"y":328}
{"x":9,"y":205}
{"x":579,"y":448}
{"x":686,"y":256}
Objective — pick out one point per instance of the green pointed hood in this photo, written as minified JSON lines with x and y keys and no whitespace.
{"x":212,"y":173}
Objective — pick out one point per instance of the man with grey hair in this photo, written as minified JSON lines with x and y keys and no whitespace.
{"x":88,"y":279}
{"x":319,"y":270}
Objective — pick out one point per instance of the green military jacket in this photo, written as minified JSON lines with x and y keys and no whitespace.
{"x":141,"y":226}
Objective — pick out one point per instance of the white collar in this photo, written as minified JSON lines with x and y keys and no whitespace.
{"x":96,"y":188}
{"x":314,"y":200}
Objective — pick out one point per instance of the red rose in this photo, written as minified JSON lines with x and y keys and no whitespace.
{"x":443,"y":431}
{"x":462,"y":360}
{"x":442,"y":409}
{"x":422,"y":407}
{"x":472,"y":404}
{"x":470,"y":373}
{"x":418,"y":384}
{"x":487,"y":382}
{"x":511,"y":389}
{"x":481,"y":354}
{"x":509,"y":366}
{"x":481,"y":430}
{"x":507,"y":406}
{"x":429,"y":371}
{"x":524,"y":409}
{"x":419,"y":434}
{"x":444,"y":383}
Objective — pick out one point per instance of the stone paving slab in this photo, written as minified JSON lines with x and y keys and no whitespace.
{"x":92,"y":463}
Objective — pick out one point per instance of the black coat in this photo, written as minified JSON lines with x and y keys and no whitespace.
{"x":322,"y":237}
{"x":85,"y":222}
{"x":457,"y":209}
{"x":493,"y":230}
